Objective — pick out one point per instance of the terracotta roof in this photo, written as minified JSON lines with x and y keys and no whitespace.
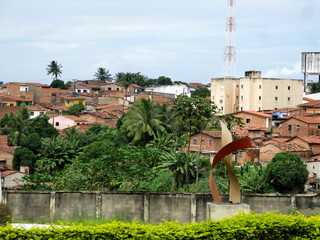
{"x":36,"y":108}
{"x":9,"y":98}
{"x":310,"y":139}
{"x":215,"y":134}
{"x":262,"y":114}
{"x":196,"y":85}
{"x":74,"y":118}
{"x":57,"y":108}
{"x":315,"y":103}
{"x":280,"y":139}
{"x":82,"y":87}
{"x":308,"y":99}
{"x":72,"y":98}
{"x":135,"y":85}
{"x":314,"y":120}
{"x":8,"y":109}
{"x":7,"y":173}
{"x":102,"y":115}
{"x":7,"y":149}
{"x":39,"y":84}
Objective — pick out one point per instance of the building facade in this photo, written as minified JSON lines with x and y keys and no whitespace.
{"x":253,"y":92}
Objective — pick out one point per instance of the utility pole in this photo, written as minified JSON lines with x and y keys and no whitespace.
{"x":230,"y":48}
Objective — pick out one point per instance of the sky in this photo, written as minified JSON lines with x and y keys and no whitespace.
{"x":180,"y":39}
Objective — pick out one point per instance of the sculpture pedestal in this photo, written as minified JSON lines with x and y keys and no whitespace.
{"x":218,"y":211}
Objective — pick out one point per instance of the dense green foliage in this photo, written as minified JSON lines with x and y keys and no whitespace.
{"x":74,"y":109}
{"x":103,"y":75}
{"x":5,"y":214}
{"x":201,"y":92}
{"x":58,"y":84}
{"x":286,"y":172}
{"x":315,"y":87}
{"x":247,"y":227}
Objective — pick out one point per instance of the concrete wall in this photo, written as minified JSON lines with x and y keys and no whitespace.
{"x":142,"y":206}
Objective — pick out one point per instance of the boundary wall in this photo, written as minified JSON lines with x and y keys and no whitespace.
{"x":142,"y":206}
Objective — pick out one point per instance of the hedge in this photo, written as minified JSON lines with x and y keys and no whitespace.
{"x":251,"y":226}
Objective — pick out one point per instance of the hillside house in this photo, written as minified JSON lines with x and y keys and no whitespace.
{"x":68,"y":101}
{"x":310,"y":107}
{"x":65,"y":121}
{"x":14,"y":101}
{"x":36,"y":110}
{"x":12,"y":179}
{"x":301,"y":126}
{"x":6,"y":153}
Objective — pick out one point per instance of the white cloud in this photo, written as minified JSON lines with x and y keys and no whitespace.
{"x":291,"y":71}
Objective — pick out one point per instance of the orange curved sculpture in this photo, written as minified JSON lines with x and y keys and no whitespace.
{"x":228,"y":147}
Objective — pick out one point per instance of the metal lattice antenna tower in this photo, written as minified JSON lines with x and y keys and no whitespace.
{"x":230,"y":48}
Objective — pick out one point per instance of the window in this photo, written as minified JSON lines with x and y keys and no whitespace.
{"x":194,"y":141}
{"x":276,"y":98}
{"x":85,"y":91}
{"x":276,"y":87}
{"x":241,"y":97}
{"x":237,"y":86}
{"x":31,"y":113}
{"x":259,"y":109}
{"x":248,"y":120}
{"x":259,"y":86}
{"x":41,"y":113}
{"x":221,"y":108}
{"x":11,"y":104}
{"x":318,"y":126}
{"x":289,"y":127}
{"x":297,"y":128}
{"x":259,"y":97}
{"x":57,"y":124}
{"x":109,"y":88}
{"x":289,"y":98}
{"x":237,"y":97}
{"x":241,"y":108}
{"x":240,"y":154}
{"x":79,"y":91}
{"x":242,"y":86}
{"x":289,"y":88}
{"x":117,"y":89}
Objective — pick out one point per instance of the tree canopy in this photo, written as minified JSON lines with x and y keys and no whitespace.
{"x":286,"y":172}
{"x":54,"y":69}
{"x":58,"y":84}
{"x":201,"y":92}
{"x":103,"y":75}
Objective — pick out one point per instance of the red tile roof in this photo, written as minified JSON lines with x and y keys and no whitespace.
{"x":315,"y":103}
{"x":39,"y":85}
{"x":7,"y":173}
{"x":311,"y":120}
{"x":310,"y":139}
{"x":196,"y":85}
{"x":74,"y":118}
{"x":262,"y":114}
{"x":215,"y":134}
{"x":19,"y":99}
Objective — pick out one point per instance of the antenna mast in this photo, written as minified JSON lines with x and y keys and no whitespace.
{"x":230,"y":48}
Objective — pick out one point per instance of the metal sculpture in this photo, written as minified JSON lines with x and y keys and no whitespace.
{"x":228,"y":147}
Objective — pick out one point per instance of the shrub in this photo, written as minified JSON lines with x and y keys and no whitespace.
{"x":5,"y":214}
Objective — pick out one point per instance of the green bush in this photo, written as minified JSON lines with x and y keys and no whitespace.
{"x":5,"y":214}
{"x":252,"y":226}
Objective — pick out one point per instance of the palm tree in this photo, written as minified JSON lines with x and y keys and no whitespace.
{"x":143,"y":121}
{"x":103,"y":75}
{"x":55,"y":69}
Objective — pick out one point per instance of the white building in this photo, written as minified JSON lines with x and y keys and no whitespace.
{"x":175,"y":89}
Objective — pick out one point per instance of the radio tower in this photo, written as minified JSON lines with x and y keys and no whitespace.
{"x":230,"y":49}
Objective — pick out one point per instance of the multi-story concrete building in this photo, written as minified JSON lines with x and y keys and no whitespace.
{"x":253,"y":92}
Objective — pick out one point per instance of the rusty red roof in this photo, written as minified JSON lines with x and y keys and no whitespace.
{"x":315,"y":103}
{"x":311,"y":120}
{"x":19,"y":99}
{"x":196,"y":85}
{"x":215,"y":134}
{"x":7,"y":173}
{"x":310,"y":139}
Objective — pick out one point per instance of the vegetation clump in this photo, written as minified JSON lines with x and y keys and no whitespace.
{"x":5,"y":214}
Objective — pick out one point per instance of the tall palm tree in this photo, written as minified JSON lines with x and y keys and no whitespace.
{"x":143,"y":121}
{"x":54,"y":69}
{"x":103,"y":75}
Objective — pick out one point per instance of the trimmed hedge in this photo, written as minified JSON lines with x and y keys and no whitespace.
{"x":252,"y":226}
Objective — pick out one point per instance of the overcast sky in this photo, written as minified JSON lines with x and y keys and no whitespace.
{"x":180,"y":39}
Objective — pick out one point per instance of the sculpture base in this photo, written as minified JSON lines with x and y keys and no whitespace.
{"x":218,"y":211}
